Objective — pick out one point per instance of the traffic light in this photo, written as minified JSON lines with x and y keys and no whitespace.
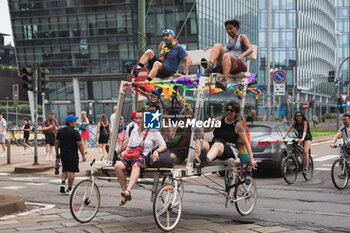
{"x":27,"y":77}
{"x":331,"y":76}
{"x":43,"y":80}
{"x":311,"y":103}
{"x":339,"y":102}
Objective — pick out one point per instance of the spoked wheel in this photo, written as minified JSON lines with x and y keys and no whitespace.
{"x":311,"y":170}
{"x":84,"y":201}
{"x":290,"y":169}
{"x":245,"y":196}
{"x":340,"y":174}
{"x":167,"y":208}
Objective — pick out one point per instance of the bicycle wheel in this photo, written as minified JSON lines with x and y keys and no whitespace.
{"x":340,"y":174}
{"x":311,"y":170}
{"x":245,"y":196}
{"x":84,"y":201}
{"x":290,"y":169}
{"x":167,"y":208}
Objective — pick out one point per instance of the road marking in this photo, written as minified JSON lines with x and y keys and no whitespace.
{"x":46,"y":207}
{"x":327,"y":165}
{"x":36,"y":183}
{"x":4,"y":174}
{"x":318,"y":143}
{"x":27,"y":178}
{"x":323,"y":168}
{"x":324,"y":158}
{"x":13,"y":187}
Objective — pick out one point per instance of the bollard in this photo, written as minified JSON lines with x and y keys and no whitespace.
{"x":8,"y":152}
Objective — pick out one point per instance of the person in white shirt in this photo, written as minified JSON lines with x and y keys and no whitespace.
{"x":344,"y":131}
{"x":141,"y":142}
{"x":131,"y":126}
{"x":112,"y":117}
{"x":2,"y":135}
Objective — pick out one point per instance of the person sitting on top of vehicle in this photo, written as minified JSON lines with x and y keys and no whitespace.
{"x":166,"y":64}
{"x":302,"y":126}
{"x":231,"y":59}
{"x":223,"y":146}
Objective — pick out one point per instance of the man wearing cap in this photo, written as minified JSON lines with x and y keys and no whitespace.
{"x":68,"y":141}
{"x":166,"y":63}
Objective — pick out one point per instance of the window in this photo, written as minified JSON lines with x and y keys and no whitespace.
{"x":262,"y":39}
{"x":274,"y":4}
{"x":263,"y":19}
{"x":259,"y":131}
{"x":291,"y":19}
{"x":275,"y":39}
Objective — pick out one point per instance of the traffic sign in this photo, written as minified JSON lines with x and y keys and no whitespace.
{"x":279,"y":76}
{"x":15,"y":92}
{"x":305,"y":106}
{"x":344,"y":105}
{"x":279,"y":89}
{"x":337,"y":83}
{"x":344,"y":96}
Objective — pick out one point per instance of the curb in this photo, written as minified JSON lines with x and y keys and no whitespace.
{"x":33,"y":168}
{"x":10,"y":204}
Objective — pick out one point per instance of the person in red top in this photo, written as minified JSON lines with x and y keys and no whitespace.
{"x":50,"y":127}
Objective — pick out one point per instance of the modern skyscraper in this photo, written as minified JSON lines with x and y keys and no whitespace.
{"x":303,"y":45}
{"x":92,"y":40}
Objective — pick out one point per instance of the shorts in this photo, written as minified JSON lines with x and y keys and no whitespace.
{"x":102,"y":140}
{"x":25,"y":139}
{"x":241,"y":68}
{"x":2,"y":138}
{"x":165,"y":72}
{"x":181,"y":154}
{"x":129,"y":163}
{"x":70,"y":163}
{"x":229,"y":151}
{"x":50,"y":139}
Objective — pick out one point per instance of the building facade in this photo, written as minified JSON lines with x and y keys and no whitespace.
{"x":92,"y":40}
{"x":302,"y":44}
{"x":343,"y":26}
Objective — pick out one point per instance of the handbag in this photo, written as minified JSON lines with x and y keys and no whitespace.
{"x":83,"y":127}
{"x":175,"y":140}
{"x":164,"y":161}
{"x":134,"y":152}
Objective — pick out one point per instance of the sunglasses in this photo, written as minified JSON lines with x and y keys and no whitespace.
{"x":229,"y":110}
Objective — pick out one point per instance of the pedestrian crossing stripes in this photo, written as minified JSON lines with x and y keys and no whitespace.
{"x":324,"y":158}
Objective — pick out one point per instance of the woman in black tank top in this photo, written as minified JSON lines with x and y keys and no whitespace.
{"x":302,"y":126}
{"x":225,"y":137}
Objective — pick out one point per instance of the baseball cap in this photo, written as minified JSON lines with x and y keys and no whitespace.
{"x":168,"y":31}
{"x":133,"y":115}
{"x":71,"y":118}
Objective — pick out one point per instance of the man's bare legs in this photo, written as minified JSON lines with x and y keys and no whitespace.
{"x":200,"y":145}
{"x":216,"y":149}
{"x":147,"y":56}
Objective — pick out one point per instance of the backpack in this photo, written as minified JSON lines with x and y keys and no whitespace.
{"x":105,"y":132}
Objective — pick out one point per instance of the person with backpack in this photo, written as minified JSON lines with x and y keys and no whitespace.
{"x":231,"y":58}
{"x":302,"y":126}
{"x":141,"y":142}
{"x":50,"y":126}
{"x":26,"y":130}
{"x":103,"y":133}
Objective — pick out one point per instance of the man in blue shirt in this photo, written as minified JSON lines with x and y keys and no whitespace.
{"x":166,"y":63}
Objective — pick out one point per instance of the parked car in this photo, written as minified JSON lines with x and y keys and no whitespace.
{"x":266,"y":144}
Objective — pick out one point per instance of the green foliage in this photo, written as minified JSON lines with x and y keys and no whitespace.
{"x":328,"y":116}
{"x":319,"y":132}
{"x":8,"y":68}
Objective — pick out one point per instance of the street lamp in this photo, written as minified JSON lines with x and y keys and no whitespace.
{"x":337,"y":34}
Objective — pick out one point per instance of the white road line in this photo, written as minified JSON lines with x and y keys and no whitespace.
{"x":318,"y":143}
{"x":324,"y":158}
{"x":46,"y":207}
{"x":4,"y":174}
{"x":13,"y":187}
{"x":306,"y":212}
{"x":323,"y":168}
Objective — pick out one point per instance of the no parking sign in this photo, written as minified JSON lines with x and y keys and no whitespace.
{"x":279,"y":76}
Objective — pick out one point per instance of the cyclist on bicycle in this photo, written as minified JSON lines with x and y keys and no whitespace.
{"x":302,"y":126}
{"x":344,"y":131}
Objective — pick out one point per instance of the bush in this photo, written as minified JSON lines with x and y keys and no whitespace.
{"x":328,"y":116}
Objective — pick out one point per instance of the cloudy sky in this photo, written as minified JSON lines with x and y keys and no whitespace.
{"x":5,"y":25}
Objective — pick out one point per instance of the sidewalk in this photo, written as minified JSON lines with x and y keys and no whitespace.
{"x":19,"y":160}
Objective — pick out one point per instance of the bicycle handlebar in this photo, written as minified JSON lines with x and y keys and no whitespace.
{"x":92,"y":163}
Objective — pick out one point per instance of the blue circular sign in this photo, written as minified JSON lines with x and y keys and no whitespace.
{"x":279,"y":76}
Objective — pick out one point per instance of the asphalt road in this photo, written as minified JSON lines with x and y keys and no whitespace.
{"x":315,"y":205}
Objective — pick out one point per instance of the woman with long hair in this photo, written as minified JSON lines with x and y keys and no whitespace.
{"x":302,"y":126}
{"x":103,"y":133}
{"x":84,"y":127}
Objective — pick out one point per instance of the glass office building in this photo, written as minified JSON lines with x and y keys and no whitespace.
{"x":343,"y":26}
{"x":302,"y":44}
{"x":92,"y":40}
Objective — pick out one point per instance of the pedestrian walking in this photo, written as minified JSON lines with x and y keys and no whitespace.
{"x":112,"y":117}
{"x":50,"y":126}
{"x":2,"y":135}
{"x":251,"y":116}
{"x":66,"y":146}
{"x":26,"y":130}
{"x":85,"y":133}
{"x":103,"y":133}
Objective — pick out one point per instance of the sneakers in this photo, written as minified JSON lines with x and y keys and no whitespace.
{"x":207,"y":66}
{"x":3,"y":154}
{"x":62,"y":189}
{"x":24,"y":153}
{"x":101,"y":158}
{"x":50,"y":157}
{"x":221,"y":84}
{"x":69,"y":191}
{"x":305,"y":172}
{"x":47,"y":157}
